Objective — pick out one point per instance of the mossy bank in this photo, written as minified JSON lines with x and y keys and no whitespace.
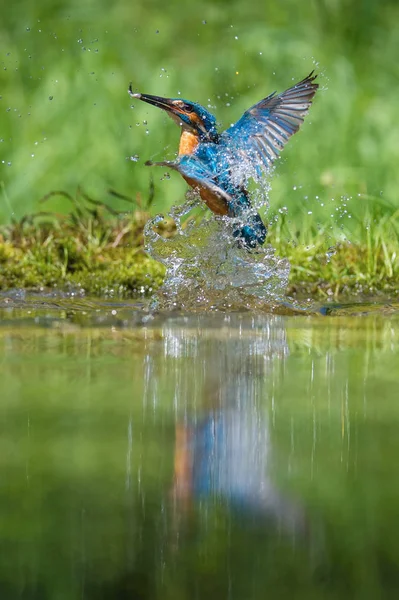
{"x":104,"y":255}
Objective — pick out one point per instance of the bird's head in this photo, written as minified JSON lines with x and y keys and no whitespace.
{"x":189,"y":115}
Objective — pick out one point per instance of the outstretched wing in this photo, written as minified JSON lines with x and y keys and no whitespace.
{"x":265,"y":128}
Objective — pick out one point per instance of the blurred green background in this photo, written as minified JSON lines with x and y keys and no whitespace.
{"x":66,"y":119}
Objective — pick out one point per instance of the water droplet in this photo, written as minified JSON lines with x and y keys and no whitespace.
{"x":309,"y":212}
{"x":9,"y":163}
{"x":28,"y":29}
{"x":133,"y":158}
{"x":50,"y":97}
{"x":80,"y":41}
{"x":32,"y":155}
{"x":157,"y":31}
{"x":236,"y":37}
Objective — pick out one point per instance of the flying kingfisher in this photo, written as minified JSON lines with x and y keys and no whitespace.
{"x":214,"y":163}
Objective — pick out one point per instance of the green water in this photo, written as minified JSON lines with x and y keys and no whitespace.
{"x":183,"y":457}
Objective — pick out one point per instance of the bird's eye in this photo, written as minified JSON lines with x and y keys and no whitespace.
{"x":183,"y":106}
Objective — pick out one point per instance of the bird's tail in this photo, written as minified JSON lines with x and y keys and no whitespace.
{"x":251,"y":232}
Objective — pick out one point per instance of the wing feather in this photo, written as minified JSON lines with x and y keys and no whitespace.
{"x":265,"y":128}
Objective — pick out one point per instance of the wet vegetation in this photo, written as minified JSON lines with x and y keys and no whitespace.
{"x":100,"y":251}
{"x":91,"y":248}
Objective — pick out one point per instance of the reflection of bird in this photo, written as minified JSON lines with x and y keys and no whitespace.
{"x":214,"y":164}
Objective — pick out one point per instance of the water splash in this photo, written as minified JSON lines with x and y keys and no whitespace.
{"x":207,"y":270}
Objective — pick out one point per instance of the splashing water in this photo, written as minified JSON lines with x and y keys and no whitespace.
{"x":207,"y":270}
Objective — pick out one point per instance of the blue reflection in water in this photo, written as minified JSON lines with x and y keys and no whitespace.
{"x":223,"y":448}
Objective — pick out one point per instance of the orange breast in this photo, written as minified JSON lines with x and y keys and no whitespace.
{"x":213,"y":202}
{"x":188,"y":142}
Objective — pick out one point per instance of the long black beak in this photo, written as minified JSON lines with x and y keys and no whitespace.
{"x":164,"y":103}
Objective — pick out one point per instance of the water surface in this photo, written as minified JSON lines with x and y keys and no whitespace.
{"x":197,"y":456}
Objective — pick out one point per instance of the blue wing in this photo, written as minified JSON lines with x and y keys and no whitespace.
{"x":265,"y":128}
{"x":251,"y":231}
{"x":200,"y":177}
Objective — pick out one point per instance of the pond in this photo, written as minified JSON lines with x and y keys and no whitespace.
{"x":184,"y":456}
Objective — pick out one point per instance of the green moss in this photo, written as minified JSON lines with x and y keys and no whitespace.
{"x":88,"y":249}
{"x":121,"y":273}
{"x":346,"y":273}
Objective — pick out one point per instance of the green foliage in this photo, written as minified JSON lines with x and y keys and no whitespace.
{"x":363,"y":261}
{"x":67,"y":121}
{"x":101,"y":251}
{"x":85,"y":249}
{"x":66,"y":118}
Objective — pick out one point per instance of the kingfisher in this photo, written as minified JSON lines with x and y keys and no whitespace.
{"x":216,"y":164}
